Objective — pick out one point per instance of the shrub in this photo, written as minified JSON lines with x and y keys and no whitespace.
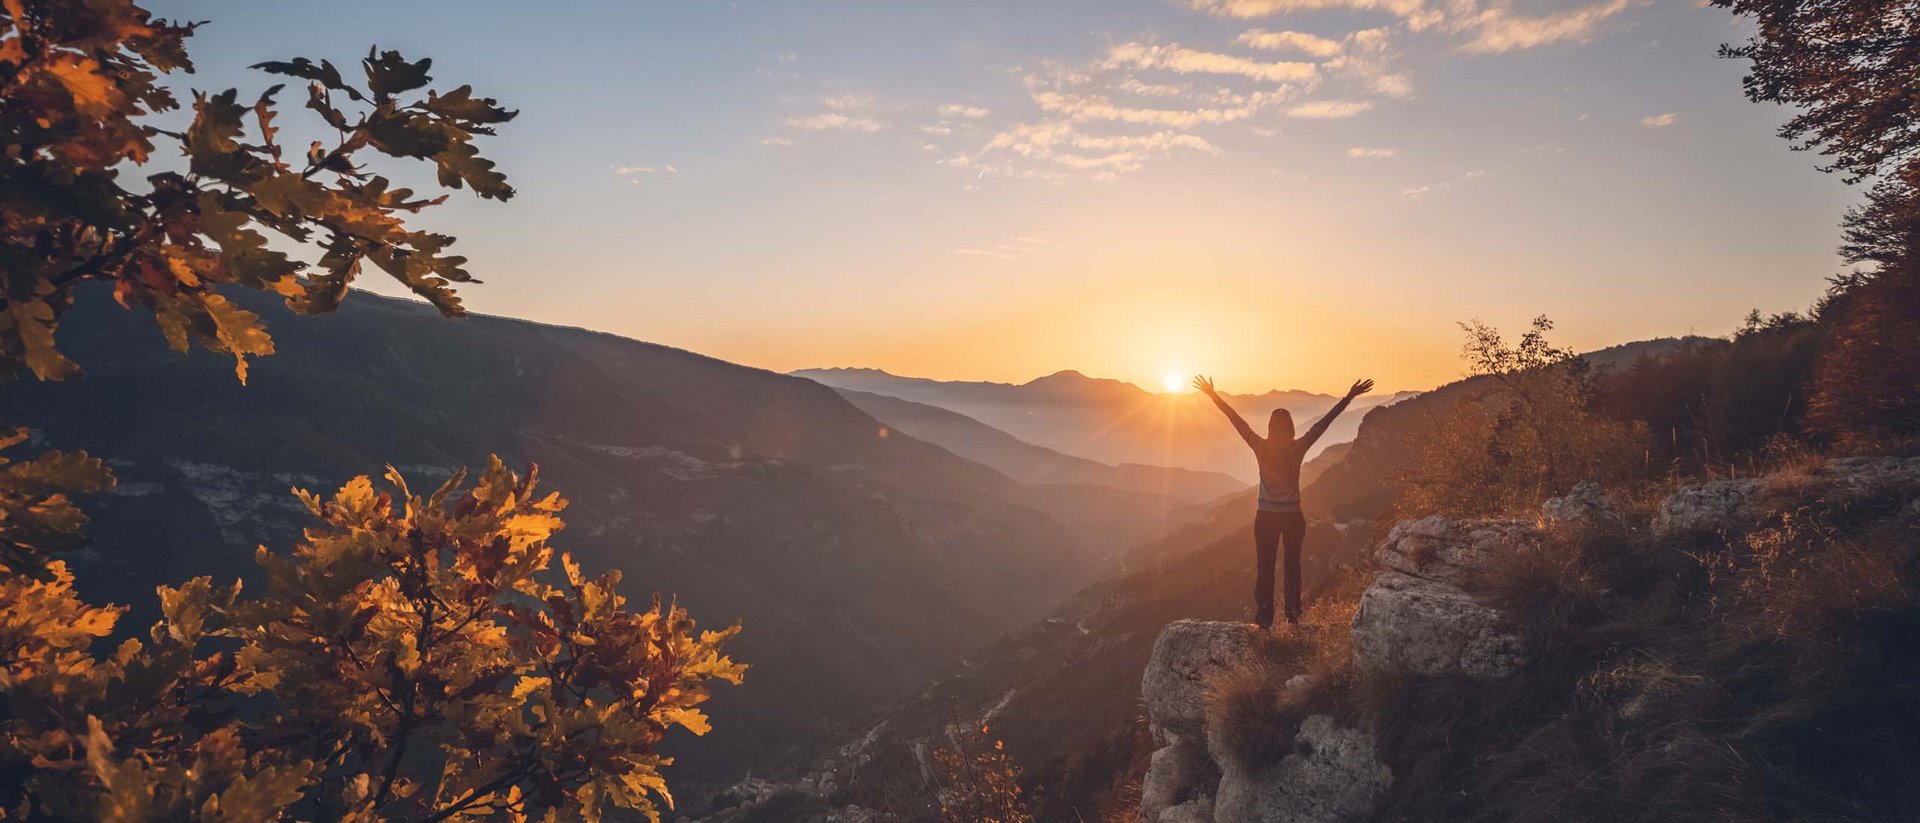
{"x":410,"y":661}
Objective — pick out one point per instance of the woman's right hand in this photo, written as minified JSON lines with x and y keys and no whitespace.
{"x":1204,"y":384}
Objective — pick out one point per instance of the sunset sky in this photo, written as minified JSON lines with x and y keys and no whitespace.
{"x":1283,"y":193}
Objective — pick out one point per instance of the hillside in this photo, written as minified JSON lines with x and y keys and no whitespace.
{"x":1733,"y":650}
{"x":1363,"y":484}
{"x":1110,"y":421}
{"x":858,"y":562}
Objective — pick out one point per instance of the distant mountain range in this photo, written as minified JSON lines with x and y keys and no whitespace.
{"x":1110,"y":421}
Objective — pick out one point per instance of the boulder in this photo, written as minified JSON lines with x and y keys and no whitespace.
{"x":1180,"y":774}
{"x":1708,"y":508}
{"x":1586,"y":506}
{"x":1334,"y":774}
{"x":1871,"y":475}
{"x":1446,"y":550}
{"x":1193,"y":811}
{"x":1186,"y":655}
{"x":1414,"y":624}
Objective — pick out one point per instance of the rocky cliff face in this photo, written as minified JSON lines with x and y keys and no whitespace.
{"x":1417,"y":618}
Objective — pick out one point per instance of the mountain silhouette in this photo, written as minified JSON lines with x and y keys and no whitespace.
{"x":1110,"y":421}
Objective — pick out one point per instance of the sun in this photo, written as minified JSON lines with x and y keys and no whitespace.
{"x":1174,"y":382}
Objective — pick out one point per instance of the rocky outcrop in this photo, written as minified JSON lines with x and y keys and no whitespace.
{"x":1446,"y":550}
{"x":1708,"y":508}
{"x":1186,"y":656}
{"x":1413,"y":624}
{"x":1331,"y":773}
{"x":1419,"y":617}
{"x":1586,"y":506}
{"x":1416,"y":617}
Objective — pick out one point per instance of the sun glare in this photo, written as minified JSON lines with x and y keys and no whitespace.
{"x":1173,"y":382}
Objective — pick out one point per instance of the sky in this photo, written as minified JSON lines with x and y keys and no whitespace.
{"x":1281,"y":193}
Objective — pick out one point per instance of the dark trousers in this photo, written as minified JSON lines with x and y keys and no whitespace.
{"x":1270,"y":529}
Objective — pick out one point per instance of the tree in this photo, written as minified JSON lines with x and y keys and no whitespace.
{"x":1525,"y":433}
{"x":1851,"y":66}
{"x":415,"y":658}
{"x":983,"y":784}
{"x":80,"y":81}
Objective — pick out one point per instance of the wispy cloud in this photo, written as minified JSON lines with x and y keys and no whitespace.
{"x":1182,"y":60}
{"x":962,"y":110}
{"x":1366,"y":153}
{"x":1422,"y":191}
{"x":1294,"y":41}
{"x":634,"y":174}
{"x":848,"y":101}
{"x":1329,"y":109}
{"x":1660,"y":121}
{"x":1494,"y":29}
{"x":776,"y":141}
{"x":1482,"y":26}
{"x":834,"y":121}
{"x":1417,"y":14}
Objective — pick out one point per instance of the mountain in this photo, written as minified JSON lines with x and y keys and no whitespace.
{"x":859,"y":560}
{"x":1028,"y":463}
{"x":1110,"y":421}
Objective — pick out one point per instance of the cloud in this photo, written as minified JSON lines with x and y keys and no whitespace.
{"x":1660,"y":121}
{"x":1422,"y":191}
{"x":1494,"y":30}
{"x":960,"y":110}
{"x":1099,"y":107}
{"x":1369,"y":153}
{"x":1289,"y":41}
{"x":937,"y":128}
{"x":1415,"y":12}
{"x":1134,"y":86}
{"x":848,"y":102}
{"x":1329,"y":109}
{"x":984,"y":253}
{"x":1181,"y":60}
{"x":834,"y":121}
{"x":775,"y":141}
{"x":633,"y":174}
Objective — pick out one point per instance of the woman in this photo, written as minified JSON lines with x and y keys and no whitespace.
{"x":1279,"y":518}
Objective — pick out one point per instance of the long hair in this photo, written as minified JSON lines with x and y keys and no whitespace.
{"x":1280,"y":426}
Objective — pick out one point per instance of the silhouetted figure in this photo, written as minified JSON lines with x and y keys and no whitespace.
{"x":1279,"y":518}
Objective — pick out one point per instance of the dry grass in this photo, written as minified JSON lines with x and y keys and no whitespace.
{"x":1252,"y":710}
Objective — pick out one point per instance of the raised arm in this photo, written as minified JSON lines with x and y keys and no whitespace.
{"x":1360,"y":387}
{"x":1205,"y":385}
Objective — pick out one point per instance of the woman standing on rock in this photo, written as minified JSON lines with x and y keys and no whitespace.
{"x":1279,"y":518}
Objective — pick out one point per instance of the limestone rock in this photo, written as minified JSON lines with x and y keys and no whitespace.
{"x":1586,"y":505}
{"x":1866,"y":475}
{"x":1193,"y":811}
{"x":1334,"y":774}
{"x":1719,"y":506}
{"x":1186,"y":655}
{"x":1179,"y":774}
{"x":1446,"y":550}
{"x":1425,"y":626}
